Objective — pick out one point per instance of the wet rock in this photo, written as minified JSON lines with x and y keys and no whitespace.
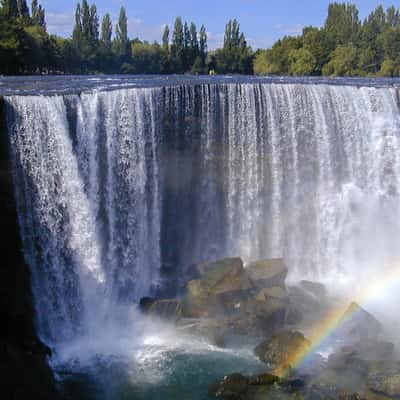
{"x":267,"y":386}
{"x":280,"y":351}
{"x":303,"y":306}
{"x":168,"y":309}
{"x":222,"y":286}
{"x":384,"y":378}
{"x":330,"y":392}
{"x":274,"y":292}
{"x":233,"y":387}
{"x":316,"y":289}
{"x":348,"y":361}
{"x":219,"y":265}
{"x":145,"y":303}
{"x":239,"y":387}
{"x":357,"y":324}
{"x":271,"y":311}
{"x":371,"y":349}
{"x":267,"y":273}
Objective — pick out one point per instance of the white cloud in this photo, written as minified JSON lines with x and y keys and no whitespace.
{"x":138,"y":28}
{"x":60,"y":24}
{"x":295,"y":29}
{"x":260,"y":42}
{"x":215,"y":40}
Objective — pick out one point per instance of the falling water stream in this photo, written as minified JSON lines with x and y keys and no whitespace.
{"x":120,"y":191}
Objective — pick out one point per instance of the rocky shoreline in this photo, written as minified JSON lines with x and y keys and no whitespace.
{"x":23,"y":357}
{"x":228,"y":300}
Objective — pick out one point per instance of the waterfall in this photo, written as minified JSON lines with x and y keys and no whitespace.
{"x":119,"y":192}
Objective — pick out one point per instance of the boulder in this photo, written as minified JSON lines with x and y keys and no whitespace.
{"x":347,"y":361}
{"x":267,"y":273}
{"x":268,"y":386}
{"x":219,"y":265}
{"x":384,"y":378}
{"x":145,"y":303}
{"x":169,"y":309}
{"x":270,"y":310}
{"x":371,"y":349}
{"x":233,"y":387}
{"x":223,"y":284}
{"x":316,"y":289}
{"x":239,"y":387}
{"x":357,"y":324}
{"x":279,"y":351}
{"x":272,"y":293}
{"x":303,"y":306}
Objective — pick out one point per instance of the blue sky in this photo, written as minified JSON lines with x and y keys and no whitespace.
{"x":263,"y":21}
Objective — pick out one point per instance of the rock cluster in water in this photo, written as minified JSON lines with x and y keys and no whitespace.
{"x":227,"y":302}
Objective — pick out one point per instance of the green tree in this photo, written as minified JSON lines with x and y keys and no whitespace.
{"x":122,"y":46}
{"x":264,"y":63}
{"x":319,"y":44}
{"x":70,"y":60}
{"x":343,"y":61}
{"x":86,"y":35}
{"x":178,"y":47}
{"x":389,"y":69}
{"x":23,"y":11}
{"x":343,"y":23}
{"x":236,"y":56}
{"x":302,"y":62}
{"x":77,"y":34}
{"x":94,"y":25}
{"x":9,"y":9}
{"x":389,"y":41}
{"x":203,"y":48}
{"x":165,"y":38}
{"x":371,"y":49}
{"x":232,"y":35}
{"x":166,"y":67}
{"x":393,"y":17}
{"x":193,"y":51}
{"x":106,"y":30}
{"x":38,"y":14}
{"x":38,"y":46}
{"x":147,"y":58}
{"x":12,"y":46}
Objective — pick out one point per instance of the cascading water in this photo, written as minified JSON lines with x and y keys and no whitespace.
{"x":119,"y":192}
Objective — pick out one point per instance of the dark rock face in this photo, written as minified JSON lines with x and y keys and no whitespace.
{"x":24,"y":371}
{"x":170,"y":310}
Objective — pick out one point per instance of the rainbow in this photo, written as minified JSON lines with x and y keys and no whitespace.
{"x":335,"y":319}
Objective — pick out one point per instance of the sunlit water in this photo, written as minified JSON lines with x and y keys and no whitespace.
{"x":146,"y":360}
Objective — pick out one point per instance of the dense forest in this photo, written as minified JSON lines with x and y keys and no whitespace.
{"x":344,"y":46}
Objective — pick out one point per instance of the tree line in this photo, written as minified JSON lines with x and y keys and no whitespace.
{"x":97,"y":46}
{"x":344,"y":46}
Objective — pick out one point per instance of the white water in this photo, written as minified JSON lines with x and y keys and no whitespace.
{"x":138,"y":184}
